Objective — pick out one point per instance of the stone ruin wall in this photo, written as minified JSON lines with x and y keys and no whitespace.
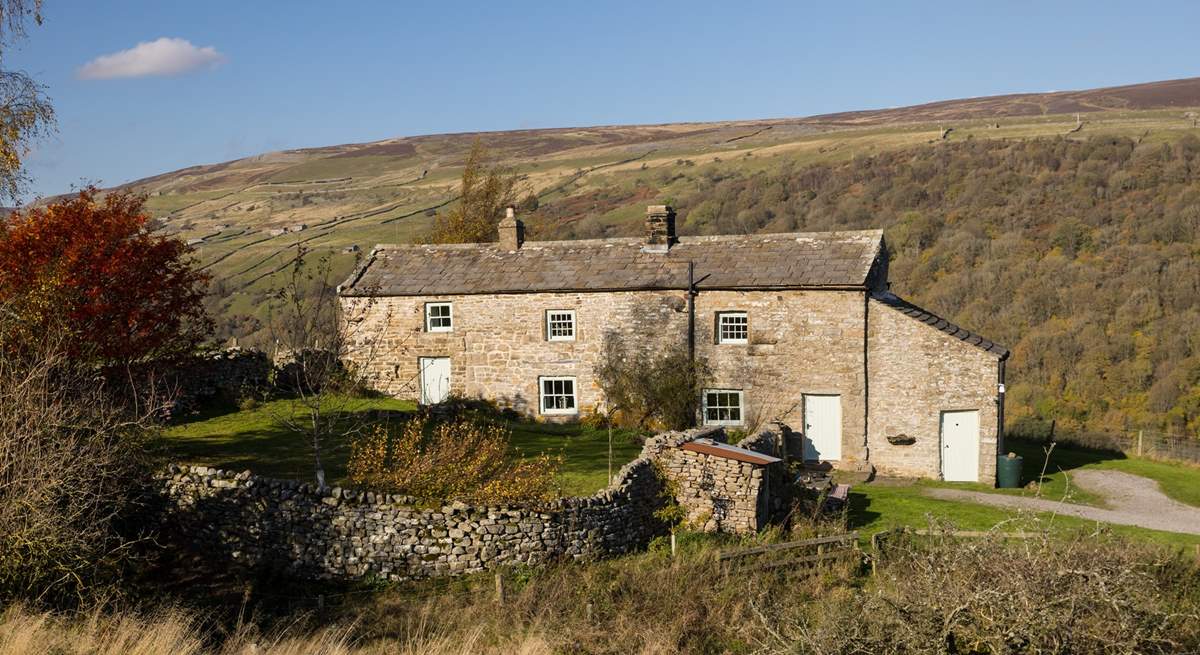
{"x":720,"y":494}
{"x":293,"y":528}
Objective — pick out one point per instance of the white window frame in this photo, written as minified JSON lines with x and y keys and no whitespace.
{"x":574,"y":395}
{"x":741,"y":407}
{"x":550,"y":336}
{"x":721,"y":316}
{"x":429,"y":326}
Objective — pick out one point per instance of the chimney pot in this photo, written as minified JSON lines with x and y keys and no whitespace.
{"x":512,"y":231}
{"x":660,"y":228}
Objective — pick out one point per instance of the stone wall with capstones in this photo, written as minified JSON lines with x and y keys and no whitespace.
{"x":183,"y":386}
{"x":341,"y":534}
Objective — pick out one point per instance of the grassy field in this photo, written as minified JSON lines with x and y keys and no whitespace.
{"x":255,"y":439}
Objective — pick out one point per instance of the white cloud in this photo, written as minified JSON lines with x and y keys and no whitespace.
{"x":164,"y":56}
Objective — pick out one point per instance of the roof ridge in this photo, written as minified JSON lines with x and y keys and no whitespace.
{"x":927,"y":317}
{"x":709,"y":238}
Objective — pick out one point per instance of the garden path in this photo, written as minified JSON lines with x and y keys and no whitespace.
{"x":1131,"y":499}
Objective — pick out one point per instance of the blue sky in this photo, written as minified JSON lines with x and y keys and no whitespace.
{"x":272,"y":75}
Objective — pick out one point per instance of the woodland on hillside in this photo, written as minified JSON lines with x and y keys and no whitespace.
{"x":1081,"y":256}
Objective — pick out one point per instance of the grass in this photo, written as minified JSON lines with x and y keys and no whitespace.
{"x":1177,"y":480}
{"x":889,"y":503}
{"x":228,"y":438}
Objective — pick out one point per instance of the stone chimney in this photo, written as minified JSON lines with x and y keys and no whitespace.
{"x":512,"y":231}
{"x":660,"y":228}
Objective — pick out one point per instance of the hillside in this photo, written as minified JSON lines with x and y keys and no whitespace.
{"x":1072,"y":242}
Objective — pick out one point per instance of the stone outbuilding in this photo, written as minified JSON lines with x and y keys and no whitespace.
{"x":799,"y":328}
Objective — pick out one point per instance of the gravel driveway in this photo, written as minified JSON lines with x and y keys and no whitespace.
{"x":1131,"y":499}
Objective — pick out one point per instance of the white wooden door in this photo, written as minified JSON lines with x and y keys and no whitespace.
{"x":822,"y":428}
{"x":435,"y":379}
{"x":960,"y":446}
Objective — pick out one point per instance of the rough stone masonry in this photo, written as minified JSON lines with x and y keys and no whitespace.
{"x":799,"y":328}
{"x":338,"y":533}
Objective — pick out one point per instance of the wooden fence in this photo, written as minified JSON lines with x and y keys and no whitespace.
{"x":801,"y":555}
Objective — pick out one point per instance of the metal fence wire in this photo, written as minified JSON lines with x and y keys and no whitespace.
{"x":1140,"y":443}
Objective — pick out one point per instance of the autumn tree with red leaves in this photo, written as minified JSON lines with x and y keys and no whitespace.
{"x":92,"y":269}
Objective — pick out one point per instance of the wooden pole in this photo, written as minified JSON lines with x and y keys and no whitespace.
{"x":500,"y":588}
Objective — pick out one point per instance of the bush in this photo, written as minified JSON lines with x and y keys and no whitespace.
{"x":1085,"y":594}
{"x":71,"y":467}
{"x":459,"y":459}
{"x":643,"y":387}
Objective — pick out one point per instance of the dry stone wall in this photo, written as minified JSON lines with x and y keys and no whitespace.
{"x":721,"y":494}
{"x":189,"y":383}
{"x":346,"y":534}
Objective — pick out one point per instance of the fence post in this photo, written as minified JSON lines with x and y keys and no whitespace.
{"x":500,"y":588}
{"x":1139,"y":443}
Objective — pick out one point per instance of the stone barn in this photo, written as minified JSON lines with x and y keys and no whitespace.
{"x":798,"y":328}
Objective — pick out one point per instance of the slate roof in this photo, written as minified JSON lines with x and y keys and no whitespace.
{"x":758,"y":261}
{"x":929,"y":318}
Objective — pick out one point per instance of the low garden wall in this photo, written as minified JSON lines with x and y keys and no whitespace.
{"x":337,"y":533}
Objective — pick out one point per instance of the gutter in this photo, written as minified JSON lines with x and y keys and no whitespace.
{"x":489,"y":292}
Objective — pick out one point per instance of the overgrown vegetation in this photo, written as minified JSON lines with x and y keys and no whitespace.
{"x":72,"y":465}
{"x":644,"y":387}
{"x":457,"y":459}
{"x":1085,"y":593}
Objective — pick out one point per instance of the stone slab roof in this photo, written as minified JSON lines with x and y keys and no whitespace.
{"x":726,"y":451}
{"x":757,"y":261}
{"x":929,"y":318}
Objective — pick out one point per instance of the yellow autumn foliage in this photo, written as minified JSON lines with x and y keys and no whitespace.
{"x":460,"y":459}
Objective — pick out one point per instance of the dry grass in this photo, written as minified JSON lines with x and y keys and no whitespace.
{"x":1089,"y":593}
{"x":176,"y":632}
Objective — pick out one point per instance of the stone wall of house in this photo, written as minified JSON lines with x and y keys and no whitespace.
{"x":343,"y":534}
{"x":800,"y":342}
{"x":916,"y":373}
{"x":498,"y":348}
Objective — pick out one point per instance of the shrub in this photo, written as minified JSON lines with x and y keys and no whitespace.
{"x":71,"y":466}
{"x":662,"y":386}
{"x":458,"y":459}
{"x":1087,"y":593}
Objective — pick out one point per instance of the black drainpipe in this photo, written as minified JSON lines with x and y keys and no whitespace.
{"x":1000,"y":401}
{"x":691,"y":308}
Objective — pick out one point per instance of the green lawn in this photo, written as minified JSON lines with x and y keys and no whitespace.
{"x":885,"y":504}
{"x":888,"y":503}
{"x":1177,"y":480}
{"x":254,"y":439}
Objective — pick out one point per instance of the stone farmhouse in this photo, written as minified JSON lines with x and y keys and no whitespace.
{"x":798,"y":328}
